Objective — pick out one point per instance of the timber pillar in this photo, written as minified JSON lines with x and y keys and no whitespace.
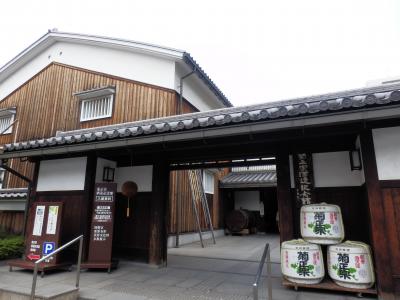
{"x":284,"y":196}
{"x":158,"y":215}
{"x":378,"y":231}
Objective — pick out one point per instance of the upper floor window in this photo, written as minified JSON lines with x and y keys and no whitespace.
{"x":96,"y":103}
{"x":2,"y":171}
{"x":7,"y":117}
{"x":208,"y":182}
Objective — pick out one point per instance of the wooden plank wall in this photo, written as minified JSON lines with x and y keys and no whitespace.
{"x":46,"y":104}
{"x":12,"y":221}
{"x":188,"y":221}
{"x":391,"y":204}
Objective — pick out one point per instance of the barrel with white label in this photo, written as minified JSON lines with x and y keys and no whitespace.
{"x":350,"y":265}
{"x":321,"y":224}
{"x":302,"y":262}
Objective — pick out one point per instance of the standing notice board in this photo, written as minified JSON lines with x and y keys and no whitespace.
{"x":42,"y":236}
{"x":102,"y":225}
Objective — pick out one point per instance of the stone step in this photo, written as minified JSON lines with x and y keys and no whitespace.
{"x":54,"y":291}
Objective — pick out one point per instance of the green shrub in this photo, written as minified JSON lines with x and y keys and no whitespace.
{"x":11,"y":247}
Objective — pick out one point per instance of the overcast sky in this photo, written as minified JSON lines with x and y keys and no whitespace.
{"x":255,"y":51}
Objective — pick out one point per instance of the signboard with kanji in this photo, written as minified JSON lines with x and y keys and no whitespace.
{"x":304,"y":179}
{"x":101,"y":232}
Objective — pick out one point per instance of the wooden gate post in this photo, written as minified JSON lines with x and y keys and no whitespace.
{"x":284,"y":196}
{"x":158,"y":216}
{"x":377,"y":218}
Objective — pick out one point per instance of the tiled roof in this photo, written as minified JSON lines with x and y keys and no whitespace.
{"x":351,"y":100}
{"x":17,"y":193}
{"x":248,"y":179}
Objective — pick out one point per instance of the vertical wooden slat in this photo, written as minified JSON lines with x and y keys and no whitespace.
{"x":377,"y":218}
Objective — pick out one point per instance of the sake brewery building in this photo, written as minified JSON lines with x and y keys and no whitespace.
{"x":62,"y":142}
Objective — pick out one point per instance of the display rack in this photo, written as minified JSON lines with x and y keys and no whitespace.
{"x":328,"y":284}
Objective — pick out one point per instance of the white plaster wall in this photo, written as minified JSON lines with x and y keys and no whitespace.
{"x":101,"y":163}
{"x":332,"y":169}
{"x":194,"y":91}
{"x":12,"y":205}
{"x":135,"y":66}
{"x":67,"y":174}
{"x":387,"y":152}
{"x":141,"y":175}
{"x":247,"y":200}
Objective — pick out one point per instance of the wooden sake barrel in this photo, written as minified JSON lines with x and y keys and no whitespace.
{"x":240,"y":219}
{"x":321,"y":224}
{"x":302,"y":262}
{"x":350,"y":265}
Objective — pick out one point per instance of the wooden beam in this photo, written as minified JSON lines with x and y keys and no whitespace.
{"x":378,"y":230}
{"x":88,"y":206}
{"x":158,"y":217}
{"x":284,"y":196}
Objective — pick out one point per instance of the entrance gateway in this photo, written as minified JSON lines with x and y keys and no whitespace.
{"x":327,"y":128}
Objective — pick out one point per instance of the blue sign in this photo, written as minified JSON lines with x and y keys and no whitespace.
{"x":48,"y":247}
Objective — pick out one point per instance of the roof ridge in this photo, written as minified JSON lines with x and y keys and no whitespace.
{"x":240,"y":109}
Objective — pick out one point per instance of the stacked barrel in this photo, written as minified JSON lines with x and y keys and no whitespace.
{"x":349,"y":263}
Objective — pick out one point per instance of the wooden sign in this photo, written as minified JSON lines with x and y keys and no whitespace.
{"x":101,"y":232}
{"x":44,"y":231}
{"x":304,"y":179}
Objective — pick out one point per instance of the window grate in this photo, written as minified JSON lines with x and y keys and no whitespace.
{"x":97,"y":108}
{"x":6,"y":122}
{"x":2,"y":171}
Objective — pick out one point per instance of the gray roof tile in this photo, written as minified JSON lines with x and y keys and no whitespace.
{"x":302,"y":107}
{"x":249,"y":179}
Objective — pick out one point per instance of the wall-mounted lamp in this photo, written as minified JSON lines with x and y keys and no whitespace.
{"x":108,"y":174}
{"x":355,"y":159}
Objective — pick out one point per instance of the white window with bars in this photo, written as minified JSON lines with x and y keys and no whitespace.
{"x":2,"y":171}
{"x":5,"y":122}
{"x":208,"y":182}
{"x":97,"y":108}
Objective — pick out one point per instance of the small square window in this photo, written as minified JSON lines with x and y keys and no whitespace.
{"x":96,"y":103}
{"x":97,"y":108}
{"x":7,"y":117}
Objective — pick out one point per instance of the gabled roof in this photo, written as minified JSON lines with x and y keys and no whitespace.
{"x":353,"y":105}
{"x":55,"y":36}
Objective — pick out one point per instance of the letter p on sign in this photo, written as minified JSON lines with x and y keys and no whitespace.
{"x":48,"y":247}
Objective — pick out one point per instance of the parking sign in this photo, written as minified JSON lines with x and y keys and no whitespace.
{"x":48,"y":247}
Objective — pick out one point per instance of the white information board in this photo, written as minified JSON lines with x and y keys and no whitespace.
{"x":38,"y":223}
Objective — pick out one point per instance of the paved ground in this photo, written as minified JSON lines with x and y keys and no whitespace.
{"x":234,"y":247}
{"x":186,"y":277}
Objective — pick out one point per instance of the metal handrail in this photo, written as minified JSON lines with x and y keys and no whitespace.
{"x":266,"y":254}
{"x":78,"y":266}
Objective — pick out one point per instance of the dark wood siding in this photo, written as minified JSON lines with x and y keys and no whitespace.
{"x":46,"y":104}
{"x":12,"y":221}
{"x":391,"y":203}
